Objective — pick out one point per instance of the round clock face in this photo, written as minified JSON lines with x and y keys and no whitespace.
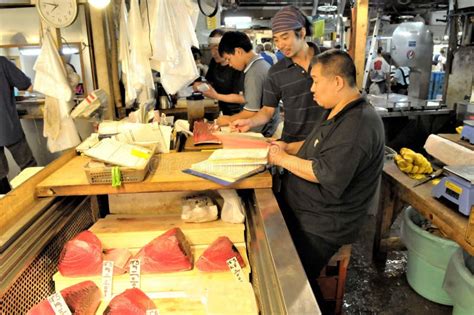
{"x":57,"y":13}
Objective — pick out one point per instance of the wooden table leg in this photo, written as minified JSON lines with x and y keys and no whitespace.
{"x":384,"y":214}
{"x":470,"y":228}
{"x":390,"y":206}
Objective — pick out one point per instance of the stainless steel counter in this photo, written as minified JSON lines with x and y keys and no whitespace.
{"x":278,"y":277}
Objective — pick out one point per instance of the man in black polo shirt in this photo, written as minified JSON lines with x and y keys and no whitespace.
{"x":289,"y":80}
{"x":333,"y":174}
{"x":226,"y":82}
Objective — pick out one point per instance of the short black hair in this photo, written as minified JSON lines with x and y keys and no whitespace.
{"x":196,"y":52}
{"x":379,"y":50}
{"x":337,"y":62}
{"x":217,"y":32}
{"x":232,"y":40}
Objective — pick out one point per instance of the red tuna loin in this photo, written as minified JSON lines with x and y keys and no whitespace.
{"x":202,"y":133}
{"x":120,"y":257}
{"x":130,"y":302}
{"x":82,"y":299}
{"x":168,"y":252}
{"x":215,"y":256}
{"x":81,"y":256}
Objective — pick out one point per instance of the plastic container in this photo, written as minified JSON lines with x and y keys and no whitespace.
{"x":103,"y":175}
{"x":436,"y":85}
{"x":459,"y":283}
{"x":428,"y":257}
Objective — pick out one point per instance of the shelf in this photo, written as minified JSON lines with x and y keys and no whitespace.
{"x":70,"y":179}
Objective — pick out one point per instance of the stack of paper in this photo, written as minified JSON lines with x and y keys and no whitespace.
{"x":91,"y":104}
{"x":140,"y":134}
{"x":227,"y":166}
{"x":119,"y":153}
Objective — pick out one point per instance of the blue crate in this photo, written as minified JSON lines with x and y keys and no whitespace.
{"x":436,"y":84}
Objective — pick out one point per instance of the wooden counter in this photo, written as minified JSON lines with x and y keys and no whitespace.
{"x":397,"y":191}
{"x":456,"y":138}
{"x":70,"y":179}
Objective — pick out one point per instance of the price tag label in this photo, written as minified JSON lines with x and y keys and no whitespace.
{"x":235,"y":268}
{"x":135,"y":273}
{"x":107,"y":278}
{"x":152,"y":312}
{"x":58,"y":304}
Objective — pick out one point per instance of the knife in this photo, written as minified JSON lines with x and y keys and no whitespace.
{"x":430,"y":177}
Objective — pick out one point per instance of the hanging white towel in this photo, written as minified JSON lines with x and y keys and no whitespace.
{"x":51,"y":76}
{"x":51,"y":80}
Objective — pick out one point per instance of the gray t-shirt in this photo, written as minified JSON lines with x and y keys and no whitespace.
{"x":347,"y":153}
{"x":255,"y":76}
{"x":10,"y":76}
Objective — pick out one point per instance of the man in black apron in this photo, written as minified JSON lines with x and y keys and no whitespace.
{"x":11,"y":133}
{"x":332,"y":174}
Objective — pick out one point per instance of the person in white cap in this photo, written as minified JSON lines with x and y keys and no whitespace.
{"x":225,"y":83}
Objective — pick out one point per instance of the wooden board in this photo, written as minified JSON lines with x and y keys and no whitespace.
{"x":214,"y":300}
{"x":165,"y":282}
{"x":70,"y":179}
{"x":456,"y":138}
{"x":362,"y":25}
{"x":20,"y":205}
{"x":122,"y":231}
{"x":175,"y":306}
{"x":148,"y":203}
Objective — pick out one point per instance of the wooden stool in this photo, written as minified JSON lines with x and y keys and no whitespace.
{"x":332,"y":279}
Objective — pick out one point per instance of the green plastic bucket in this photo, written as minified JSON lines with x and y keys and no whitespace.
{"x":459,"y":283}
{"x":428,"y":257}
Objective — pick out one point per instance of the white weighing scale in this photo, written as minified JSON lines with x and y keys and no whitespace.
{"x":457,"y":187}
{"x":468,"y":131}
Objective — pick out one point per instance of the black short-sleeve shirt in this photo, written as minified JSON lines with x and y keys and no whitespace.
{"x":10,"y":126}
{"x":347,"y":153}
{"x":290,"y":83}
{"x":226,"y":80}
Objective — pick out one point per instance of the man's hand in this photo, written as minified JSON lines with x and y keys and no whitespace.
{"x":211,"y":93}
{"x":223,"y":120}
{"x":281,"y":144}
{"x":241,"y":125}
{"x":276,"y":154}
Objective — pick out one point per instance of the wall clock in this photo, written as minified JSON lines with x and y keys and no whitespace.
{"x":57,"y":13}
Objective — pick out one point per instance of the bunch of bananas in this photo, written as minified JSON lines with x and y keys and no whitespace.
{"x":412,"y":163}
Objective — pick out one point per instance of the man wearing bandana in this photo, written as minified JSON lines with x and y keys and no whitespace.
{"x":289,"y":80}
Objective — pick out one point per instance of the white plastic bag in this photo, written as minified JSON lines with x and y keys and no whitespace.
{"x":233,"y":209}
{"x":172,"y":35}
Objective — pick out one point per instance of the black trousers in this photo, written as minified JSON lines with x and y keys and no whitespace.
{"x":313,"y":251}
{"x":22,"y":155}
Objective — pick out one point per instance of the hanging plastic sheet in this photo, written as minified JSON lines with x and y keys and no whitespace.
{"x":141,"y":76}
{"x":172,"y":35}
{"x":124,"y":58}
